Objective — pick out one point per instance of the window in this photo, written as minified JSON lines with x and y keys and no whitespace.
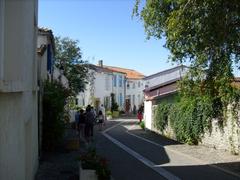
{"x":107,"y":83}
{"x":114,"y":80}
{"x":139,"y":99}
{"x":120,"y":99}
{"x":139,"y":84}
{"x":133,"y":99}
{"x":134,"y":85}
{"x":120,"y":81}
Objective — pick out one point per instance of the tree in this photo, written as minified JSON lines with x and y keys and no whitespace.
{"x":205,"y":33}
{"x":69,"y":58}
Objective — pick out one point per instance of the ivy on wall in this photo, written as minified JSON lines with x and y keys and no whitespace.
{"x":191,"y":114}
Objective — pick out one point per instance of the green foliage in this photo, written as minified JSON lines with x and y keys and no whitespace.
{"x":114,"y":105}
{"x":142,"y":125}
{"x":161,"y":116}
{"x":205,"y":34}
{"x":109,"y":113}
{"x":189,"y":118}
{"x":91,"y":160}
{"x":54,"y":99}
{"x":69,"y":57}
{"x":115,"y":114}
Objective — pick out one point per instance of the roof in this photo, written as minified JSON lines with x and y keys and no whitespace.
{"x":165,"y":72}
{"x":130,"y":73}
{"x":161,"y":91}
{"x":44,"y":30}
{"x":99,"y":68}
{"x":162,"y":84}
{"x":47,"y":32}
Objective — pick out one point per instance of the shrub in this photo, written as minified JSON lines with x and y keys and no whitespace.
{"x":109,"y":113}
{"x":91,"y":160}
{"x":142,"y":125}
{"x":161,"y":116}
{"x":54,"y":99}
{"x":115,"y":114}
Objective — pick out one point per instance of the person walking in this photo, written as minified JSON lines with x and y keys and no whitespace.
{"x":100,"y":120}
{"x":140,"y":115}
{"x":102,"y":108}
{"x":89,"y":123}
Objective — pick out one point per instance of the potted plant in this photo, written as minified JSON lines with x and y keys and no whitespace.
{"x":93,"y":167}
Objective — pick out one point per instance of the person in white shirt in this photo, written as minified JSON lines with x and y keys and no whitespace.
{"x":103,"y":111}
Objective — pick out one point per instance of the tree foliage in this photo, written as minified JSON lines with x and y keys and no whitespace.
{"x":54,"y":99}
{"x":205,"y":33}
{"x":69,"y":58}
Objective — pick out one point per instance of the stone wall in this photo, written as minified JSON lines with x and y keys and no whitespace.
{"x":225,"y":137}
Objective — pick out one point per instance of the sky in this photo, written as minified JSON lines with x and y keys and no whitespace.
{"x":106,"y":31}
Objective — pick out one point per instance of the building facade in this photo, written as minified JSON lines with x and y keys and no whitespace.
{"x":159,"y":86}
{"x":134,"y":86}
{"x":18,"y":90}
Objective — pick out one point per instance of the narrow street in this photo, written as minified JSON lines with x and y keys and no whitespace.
{"x":134,"y":156}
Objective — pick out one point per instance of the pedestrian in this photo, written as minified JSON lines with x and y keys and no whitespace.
{"x":134,"y":109}
{"x":140,"y":115}
{"x":93,"y":111}
{"x":89,"y":123}
{"x":102,"y":108}
{"x":77,"y":114}
{"x":81,"y":123}
{"x":100,"y":120}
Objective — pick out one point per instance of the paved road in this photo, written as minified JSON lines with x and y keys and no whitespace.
{"x":133,"y":157}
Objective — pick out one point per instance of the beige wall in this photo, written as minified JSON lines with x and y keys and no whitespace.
{"x":18,"y":91}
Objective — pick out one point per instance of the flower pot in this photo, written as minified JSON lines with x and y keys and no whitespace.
{"x":87,"y":174}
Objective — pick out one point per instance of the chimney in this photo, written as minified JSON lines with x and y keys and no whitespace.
{"x":100,"y":63}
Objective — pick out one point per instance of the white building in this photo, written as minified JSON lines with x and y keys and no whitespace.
{"x":102,"y":82}
{"x":134,"y":86}
{"x":18,"y":90}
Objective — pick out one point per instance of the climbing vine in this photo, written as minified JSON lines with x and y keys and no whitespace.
{"x":190,"y":116}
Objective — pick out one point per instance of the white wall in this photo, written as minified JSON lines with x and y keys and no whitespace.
{"x":42,"y":60}
{"x":148,"y":114}
{"x":119,"y":90}
{"x":99,"y":88}
{"x":18,"y":92}
{"x":137,"y":91}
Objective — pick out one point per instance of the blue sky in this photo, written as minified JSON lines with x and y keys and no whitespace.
{"x":105,"y":30}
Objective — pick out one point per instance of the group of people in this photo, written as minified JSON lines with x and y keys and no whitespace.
{"x":85,"y":121}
